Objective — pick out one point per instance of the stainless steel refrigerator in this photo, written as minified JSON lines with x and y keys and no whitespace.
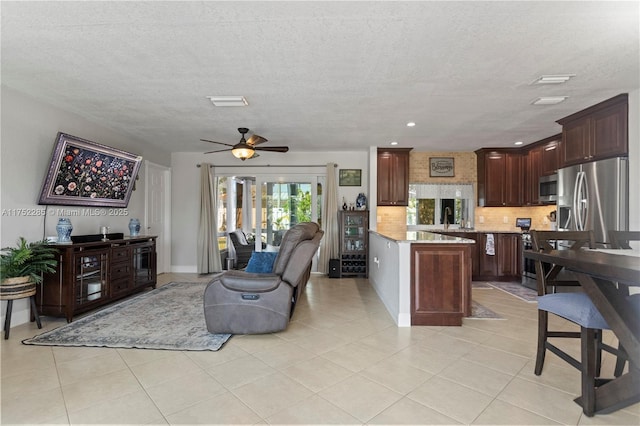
{"x":594,"y":196}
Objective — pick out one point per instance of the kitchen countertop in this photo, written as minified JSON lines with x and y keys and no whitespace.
{"x":473,"y":230}
{"x":423,"y":237}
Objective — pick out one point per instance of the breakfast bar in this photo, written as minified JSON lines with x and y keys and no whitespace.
{"x":606,"y":276}
{"x":423,"y":278}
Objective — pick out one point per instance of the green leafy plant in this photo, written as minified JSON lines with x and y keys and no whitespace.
{"x":27,"y":259}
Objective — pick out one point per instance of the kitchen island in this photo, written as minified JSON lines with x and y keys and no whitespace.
{"x":423,"y":278}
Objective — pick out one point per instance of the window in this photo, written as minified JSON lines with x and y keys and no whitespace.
{"x":428,"y":204}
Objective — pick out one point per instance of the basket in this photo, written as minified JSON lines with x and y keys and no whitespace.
{"x":17,"y":288}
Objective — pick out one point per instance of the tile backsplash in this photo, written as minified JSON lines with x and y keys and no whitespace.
{"x":393,"y":220}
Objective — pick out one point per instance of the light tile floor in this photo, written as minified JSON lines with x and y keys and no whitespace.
{"x":342,"y":360}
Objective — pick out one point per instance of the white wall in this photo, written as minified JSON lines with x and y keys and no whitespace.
{"x":390,"y":276}
{"x":29,"y":130}
{"x":186,"y":186}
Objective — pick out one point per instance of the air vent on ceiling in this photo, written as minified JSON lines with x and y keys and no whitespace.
{"x":228,"y":101}
{"x":549,"y":100}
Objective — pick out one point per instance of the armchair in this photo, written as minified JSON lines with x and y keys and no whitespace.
{"x":240,"y":302}
{"x":242,"y":248}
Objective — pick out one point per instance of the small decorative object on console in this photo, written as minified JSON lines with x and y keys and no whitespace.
{"x":134,"y":227}
{"x":64,"y":228}
{"x":361,"y":201}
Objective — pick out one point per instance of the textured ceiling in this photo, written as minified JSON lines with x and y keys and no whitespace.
{"x":322,"y":75}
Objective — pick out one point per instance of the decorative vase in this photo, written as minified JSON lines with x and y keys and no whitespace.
{"x":134,"y":227}
{"x":344,"y":204}
{"x":361,"y":201}
{"x":64,"y":228}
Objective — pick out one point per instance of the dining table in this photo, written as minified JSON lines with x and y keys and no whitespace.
{"x":608,"y":276}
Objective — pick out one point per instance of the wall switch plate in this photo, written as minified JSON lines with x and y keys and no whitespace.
{"x":505,"y":219}
{"x":481,"y":219}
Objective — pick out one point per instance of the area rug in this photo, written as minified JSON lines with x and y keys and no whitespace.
{"x":516,"y":290}
{"x":170,"y":317}
{"x":479,"y":311}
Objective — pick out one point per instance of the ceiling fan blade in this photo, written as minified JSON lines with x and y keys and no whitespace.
{"x":219,"y":150}
{"x":272,"y":148}
{"x":255,"y":140}
{"x":221,"y":143}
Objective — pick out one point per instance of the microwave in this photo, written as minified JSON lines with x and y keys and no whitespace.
{"x":548,"y":189}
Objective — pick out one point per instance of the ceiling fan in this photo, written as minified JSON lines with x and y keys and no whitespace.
{"x":247,"y":148}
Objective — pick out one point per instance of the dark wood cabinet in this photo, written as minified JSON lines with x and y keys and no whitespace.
{"x":393,"y":176}
{"x":487,"y":263}
{"x":595,"y":133}
{"x":540,"y":159}
{"x":504,"y":265}
{"x":354,"y":242}
{"x":440,"y":283}
{"x":532,"y":172}
{"x":509,"y":256}
{"x":550,"y":153}
{"x":90,"y":275}
{"x":500,"y":177}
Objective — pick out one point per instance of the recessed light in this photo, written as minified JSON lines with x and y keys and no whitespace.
{"x":548,"y":100}
{"x":394,"y":143}
{"x":553,"y":79}
{"x":411,"y":124}
{"x":518,"y":143}
{"x":228,"y":101}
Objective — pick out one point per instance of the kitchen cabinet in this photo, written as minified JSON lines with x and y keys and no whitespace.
{"x":550,"y":153}
{"x":440,"y":283}
{"x":541,"y":158}
{"x":393,"y":176}
{"x":509,"y":256}
{"x":354,"y":242}
{"x":505,"y":265}
{"x":595,"y":133}
{"x":92,"y":274}
{"x":532,"y":172}
{"x":500,"y":177}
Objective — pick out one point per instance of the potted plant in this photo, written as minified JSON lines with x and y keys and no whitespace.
{"x":22,"y":266}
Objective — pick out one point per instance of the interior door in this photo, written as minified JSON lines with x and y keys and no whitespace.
{"x":158,"y":211}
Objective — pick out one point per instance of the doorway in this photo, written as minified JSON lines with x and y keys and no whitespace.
{"x":158,"y":211}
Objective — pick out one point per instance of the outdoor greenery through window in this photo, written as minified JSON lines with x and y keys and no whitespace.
{"x":281,"y":205}
{"x":431,"y":205}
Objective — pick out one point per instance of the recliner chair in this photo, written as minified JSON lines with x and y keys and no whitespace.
{"x":240,"y":302}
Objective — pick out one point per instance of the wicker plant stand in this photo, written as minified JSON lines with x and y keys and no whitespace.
{"x":17,"y":288}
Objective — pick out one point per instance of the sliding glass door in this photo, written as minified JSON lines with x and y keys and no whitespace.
{"x":265,"y":206}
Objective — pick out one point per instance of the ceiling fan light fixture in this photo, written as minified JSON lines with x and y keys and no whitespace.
{"x":242,"y":151}
{"x":228,"y":101}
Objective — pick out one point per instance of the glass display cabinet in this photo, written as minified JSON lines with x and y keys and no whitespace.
{"x":354,"y":242}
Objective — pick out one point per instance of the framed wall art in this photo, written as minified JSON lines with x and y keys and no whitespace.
{"x":350,"y":177}
{"x":441,"y":167}
{"x":85,"y":173}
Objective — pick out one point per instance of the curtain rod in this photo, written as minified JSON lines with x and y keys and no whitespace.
{"x":274,"y":165}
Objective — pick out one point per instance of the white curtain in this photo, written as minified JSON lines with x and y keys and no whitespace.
{"x":207,"y":250}
{"x":329,"y":246}
{"x":247,"y":206}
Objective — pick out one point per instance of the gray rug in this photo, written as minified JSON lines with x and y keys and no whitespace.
{"x":170,"y":317}
{"x":516,"y":290}
{"x":479,"y":311}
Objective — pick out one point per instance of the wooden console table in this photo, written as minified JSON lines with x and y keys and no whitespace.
{"x":93,"y":274}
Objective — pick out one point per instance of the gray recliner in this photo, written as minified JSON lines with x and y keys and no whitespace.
{"x":239,"y":302}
